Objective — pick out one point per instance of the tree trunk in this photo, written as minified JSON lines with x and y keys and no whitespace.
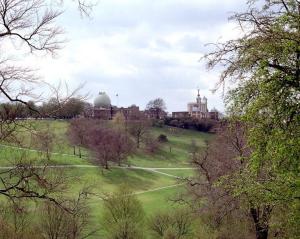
{"x":74,"y":151}
{"x":106,"y":165}
{"x":261,"y":233}
{"x":79,"y":152}
{"x":261,"y":225}
{"x":138,"y":142}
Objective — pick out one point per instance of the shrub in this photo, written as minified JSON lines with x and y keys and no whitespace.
{"x":158,"y":123}
{"x":204,"y":125}
{"x":171,"y":224}
{"x":123,"y":215}
{"x":162,"y":138}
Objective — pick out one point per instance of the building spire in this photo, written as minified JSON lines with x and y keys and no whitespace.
{"x":198,"y":92}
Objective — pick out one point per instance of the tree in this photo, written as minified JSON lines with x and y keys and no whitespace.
{"x":123,"y":216}
{"x":176,"y":224}
{"x":123,"y":147}
{"x":193,"y":148}
{"x":58,"y":223}
{"x":30,"y":25}
{"x":78,"y":133}
{"x":43,"y":140}
{"x":120,"y":122}
{"x":139,"y":130}
{"x":72,"y":108}
{"x":67,"y":108}
{"x":152,"y":145}
{"x":157,"y":106}
{"x":16,"y":223}
{"x":210,"y":193}
{"x":265,"y":62}
{"x":108,"y":145}
{"x":100,"y":142}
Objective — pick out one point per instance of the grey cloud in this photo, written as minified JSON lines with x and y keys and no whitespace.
{"x":111,"y":16}
{"x":145,"y":29}
{"x":146,"y":84}
{"x":190,"y":43}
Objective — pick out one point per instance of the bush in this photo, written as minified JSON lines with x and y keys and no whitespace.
{"x":158,"y":123}
{"x":162,"y":138}
{"x":204,"y":125}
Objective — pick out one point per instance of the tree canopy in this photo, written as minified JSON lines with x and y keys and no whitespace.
{"x":264,"y":62}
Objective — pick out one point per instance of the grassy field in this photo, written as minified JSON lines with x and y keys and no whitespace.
{"x":154,"y":187}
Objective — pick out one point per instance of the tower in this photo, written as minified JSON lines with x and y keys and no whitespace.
{"x":204,"y":103}
{"x":198,"y":97}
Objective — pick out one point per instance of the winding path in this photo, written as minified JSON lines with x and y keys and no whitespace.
{"x":150,"y":169}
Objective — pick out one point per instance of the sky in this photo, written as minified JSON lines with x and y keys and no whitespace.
{"x":142,"y":50}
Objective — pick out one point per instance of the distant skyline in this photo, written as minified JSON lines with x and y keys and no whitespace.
{"x":142,"y":50}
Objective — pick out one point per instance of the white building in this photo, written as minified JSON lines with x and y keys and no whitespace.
{"x":198,"y":109}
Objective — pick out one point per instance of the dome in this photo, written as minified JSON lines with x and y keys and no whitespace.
{"x":102,"y":100}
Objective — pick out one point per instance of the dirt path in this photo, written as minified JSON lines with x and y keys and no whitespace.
{"x":151,"y":169}
{"x":154,"y":170}
{"x":158,"y":189}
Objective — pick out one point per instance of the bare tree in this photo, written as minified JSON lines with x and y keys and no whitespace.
{"x":175,"y":224}
{"x":139,"y":130}
{"x":61,"y":224}
{"x":15,"y":221}
{"x":43,"y":140}
{"x":78,"y":132}
{"x":100,"y":142}
{"x":156,"y":107}
{"x":123,"y":147}
{"x":218,"y":166}
{"x":8,"y":123}
{"x":108,"y":145}
{"x":119,"y":122}
{"x":152,"y":144}
{"x":30,"y":25}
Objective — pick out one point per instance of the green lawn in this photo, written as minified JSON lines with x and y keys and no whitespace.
{"x":152,"y":188}
{"x":182,"y":173}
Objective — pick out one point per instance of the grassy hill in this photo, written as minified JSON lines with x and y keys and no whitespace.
{"x":154,"y":182}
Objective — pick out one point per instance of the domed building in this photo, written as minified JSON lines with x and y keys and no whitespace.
{"x":102,"y":101}
{"x":103,"y":109}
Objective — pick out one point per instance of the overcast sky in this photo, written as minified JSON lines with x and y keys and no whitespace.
{"x":143,"y":49}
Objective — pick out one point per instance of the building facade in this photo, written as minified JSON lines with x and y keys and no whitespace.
{"x":180,"y":114}
{"x":198,"y":110}
{"x":103,"y":109}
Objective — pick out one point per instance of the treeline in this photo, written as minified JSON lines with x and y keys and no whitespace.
{"x":53,"y":108}
{"x":204,"y":125}
{"x":73,"y":107}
